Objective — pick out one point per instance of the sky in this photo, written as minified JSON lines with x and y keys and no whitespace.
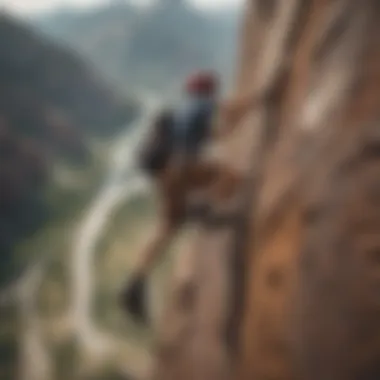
{"x":26,"y":6}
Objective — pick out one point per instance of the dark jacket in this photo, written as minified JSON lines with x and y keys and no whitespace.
{"x":192,"y":125}
{"x":180,"y":131}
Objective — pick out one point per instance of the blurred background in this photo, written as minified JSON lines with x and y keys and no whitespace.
{"x":79,"y":82}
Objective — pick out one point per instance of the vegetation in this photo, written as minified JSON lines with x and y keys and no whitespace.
{"x":51,"y":103}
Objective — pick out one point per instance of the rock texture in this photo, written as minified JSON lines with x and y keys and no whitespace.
{"x":309,"y":307}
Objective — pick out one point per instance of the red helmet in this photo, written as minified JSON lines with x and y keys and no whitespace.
{"x":202,"y":83}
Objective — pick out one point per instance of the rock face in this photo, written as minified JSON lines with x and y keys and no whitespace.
{"x":308,"y":269}
{"x":192,"y":345}
{"x":309,"y":295}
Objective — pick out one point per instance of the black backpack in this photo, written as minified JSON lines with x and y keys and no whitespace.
{"x":164,"y":140}
{"x":157,"y":150}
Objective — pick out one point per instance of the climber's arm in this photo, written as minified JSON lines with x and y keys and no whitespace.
{"x":230,"y":113}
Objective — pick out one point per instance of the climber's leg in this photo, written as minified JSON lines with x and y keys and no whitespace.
{"x":134,"y":294}
{"x":172,"y":216}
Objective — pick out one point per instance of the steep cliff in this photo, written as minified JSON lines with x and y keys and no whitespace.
{"x":310,"y":310}
{"x":308,"y":270}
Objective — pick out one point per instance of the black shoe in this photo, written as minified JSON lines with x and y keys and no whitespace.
{"x":134,"y":298}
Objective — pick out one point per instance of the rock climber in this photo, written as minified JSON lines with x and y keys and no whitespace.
{"x":175,"y":156}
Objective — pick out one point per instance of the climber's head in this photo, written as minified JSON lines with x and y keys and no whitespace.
{"x":202,"y":83}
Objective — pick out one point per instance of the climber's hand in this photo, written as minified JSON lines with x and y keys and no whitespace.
{"x":233,"y":110}
{"x":230,"y":110}
{"x":134,"y":298}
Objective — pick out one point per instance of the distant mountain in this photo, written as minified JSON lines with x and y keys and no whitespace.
{"x":50,"y":101}
{"x":98,"y":33}
{"x":154,"y":47}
